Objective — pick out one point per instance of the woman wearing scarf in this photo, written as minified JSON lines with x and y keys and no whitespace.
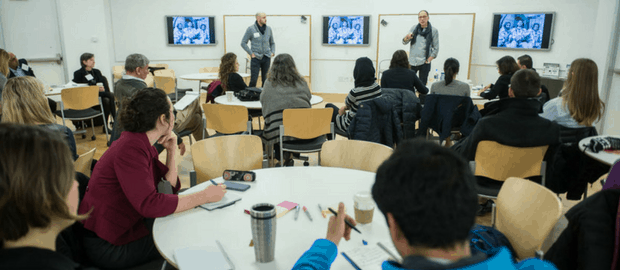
{"x":366,"y":88}
{"x":424,"y":45}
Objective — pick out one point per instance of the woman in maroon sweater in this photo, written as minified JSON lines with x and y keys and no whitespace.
{"x":122,"y":192}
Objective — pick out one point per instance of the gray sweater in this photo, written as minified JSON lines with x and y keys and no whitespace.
{"x":262,"y":45}
{"x":417,"y":50}
{"x":455,"y":88}
{"x":275,"y":99}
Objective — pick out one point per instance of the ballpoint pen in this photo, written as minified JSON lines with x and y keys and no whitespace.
{"x":321,"y":208}
{"x":296,"y":211}
{"x":307,"y":213}
{"x":215,"y":184}
{"x":345,"y":220}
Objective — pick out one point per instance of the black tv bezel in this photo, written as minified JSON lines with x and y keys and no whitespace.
{"x":547,"y":39}
{"x":325,"y":27}
{"x":170,"y":34}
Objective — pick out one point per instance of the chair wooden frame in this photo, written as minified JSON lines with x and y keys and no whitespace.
{"x":354,"y":154}
{"x":499,"y":162}
{"x":308,"y":123}
{"x":525,"y":213}
{"x":83,"y":162}
{"x":82,"y":98}
{"x":235,"y":152}
{"x":226,"y":119}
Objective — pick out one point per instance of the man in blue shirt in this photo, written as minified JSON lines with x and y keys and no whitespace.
{"x":19,"y":67}
{"x":263,"y":47}
{"x":427,"y":194}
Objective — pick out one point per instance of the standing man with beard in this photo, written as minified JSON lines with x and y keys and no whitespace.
{"x":424,"y":45}
{"x":263,"y":47}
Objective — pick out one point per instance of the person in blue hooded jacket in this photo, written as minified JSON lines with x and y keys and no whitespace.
{"x":427,"y":194}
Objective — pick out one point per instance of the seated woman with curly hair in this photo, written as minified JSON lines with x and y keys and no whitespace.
{"x":123,"y":193}
{"x":231,"y":80}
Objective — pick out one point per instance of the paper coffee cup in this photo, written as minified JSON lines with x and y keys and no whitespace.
{"x":364,"y":207}
{"x":229,"y":96}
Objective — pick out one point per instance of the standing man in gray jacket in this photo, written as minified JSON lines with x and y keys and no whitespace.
{"x":263,"y":47}
{"x":424,"y":45}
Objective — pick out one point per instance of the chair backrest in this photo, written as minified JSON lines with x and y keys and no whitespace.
{"x":80,"y":98}
{"x":227,"y":119}
{"x":117,"y":71}
{"x":165,"y":72}
{"x":574,"y":135}
{"x":150,"y":81}
{"x":209,"y":70}
{"x":307,"y":123}
{"x":498,"y":161}
{"x":212,"y":156}
{"x":526,"y":214}
{"x":84,"y":161}
{"x":354,"y":154}
{"x":159,"y":65}
{"x":165,"y":83}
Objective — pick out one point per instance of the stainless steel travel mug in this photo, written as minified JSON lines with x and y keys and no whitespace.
{"x":264,"y":231}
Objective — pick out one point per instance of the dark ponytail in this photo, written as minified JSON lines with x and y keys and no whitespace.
{"x":451,"y":67}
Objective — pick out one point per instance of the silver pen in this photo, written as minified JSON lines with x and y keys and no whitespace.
{"x":296,"y":211}
{"x":307,"y":213}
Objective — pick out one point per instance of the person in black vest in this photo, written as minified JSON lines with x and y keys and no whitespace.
{"x":90,"y":75}
{"x":424,"y":45}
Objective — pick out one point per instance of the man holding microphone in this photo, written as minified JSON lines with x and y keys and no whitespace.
{"x":263,"y":47}
{"x":424,"y":45}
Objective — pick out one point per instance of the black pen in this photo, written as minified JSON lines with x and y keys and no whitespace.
{"x":345,"y":220}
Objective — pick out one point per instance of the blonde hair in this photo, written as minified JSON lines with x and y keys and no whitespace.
{"x":580,"y":92}
{"x":4,"y":62}
{"x":24,"y":102}
{"x":37,"y":175}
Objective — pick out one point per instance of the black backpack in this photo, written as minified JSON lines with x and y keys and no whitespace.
{"x":249,"y":94}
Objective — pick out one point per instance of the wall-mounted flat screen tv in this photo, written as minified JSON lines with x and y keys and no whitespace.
{"x":346,"y":30}
{"x":522,"y":31}
{"x":191,"y":30}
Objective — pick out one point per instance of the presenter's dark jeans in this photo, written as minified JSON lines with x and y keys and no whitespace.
{"x":102,"y":254}
{"x":422,"y":71}
{"x":256,"y":65}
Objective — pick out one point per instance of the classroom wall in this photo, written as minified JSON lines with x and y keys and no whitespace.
{"x":582,"y":29}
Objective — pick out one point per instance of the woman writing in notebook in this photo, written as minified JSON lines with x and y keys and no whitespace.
{"x":123,"y":191}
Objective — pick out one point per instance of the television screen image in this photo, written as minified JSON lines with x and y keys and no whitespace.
{"x":529,"y":31}
{"x":186,"y":30}
{"x":345,"y":30}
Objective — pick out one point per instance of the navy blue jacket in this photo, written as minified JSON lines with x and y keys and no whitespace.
{"x":376,"y":121}
{"x":407,"y":107}
{"x":438,"y":115}
{"x":30,"y":72}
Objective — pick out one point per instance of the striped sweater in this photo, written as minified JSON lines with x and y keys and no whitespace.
{"x":353,"y":101}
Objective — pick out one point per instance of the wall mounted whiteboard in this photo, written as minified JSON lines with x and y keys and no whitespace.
{"x":456,"y":33}
{"x":290,"y":35}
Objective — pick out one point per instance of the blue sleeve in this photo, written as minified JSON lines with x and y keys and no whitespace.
{"x":320,"y":256}
{"x":550,"y":110}
{"x":71,"y":142}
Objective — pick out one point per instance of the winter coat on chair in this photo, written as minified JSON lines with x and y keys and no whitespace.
{"x":438,"y":115}
{"x":407,"y":107}
{"x":376,"y":121}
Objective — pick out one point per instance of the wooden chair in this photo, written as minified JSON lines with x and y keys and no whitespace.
{"x":499,"y":162}
{"x":84,"y":161}
{"x":354,"y":154}
{"x":76,"y":104}
{"x":304,"y":124}
{"x":226,"y":119}
{"x":236,"y":152}
{"x":165,"y":72}
{"x":526,"y":212}
{"x":159,"y":65}
{"x":150,"y":80}
{"x":207,"y":70}
{"x":117,"y":72}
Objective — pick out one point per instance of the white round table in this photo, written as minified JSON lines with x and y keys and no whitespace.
{"x":602,"y":156}
{"x":307,"y":186}
{"x":206,"y":76}
{"x":256,"y":104}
